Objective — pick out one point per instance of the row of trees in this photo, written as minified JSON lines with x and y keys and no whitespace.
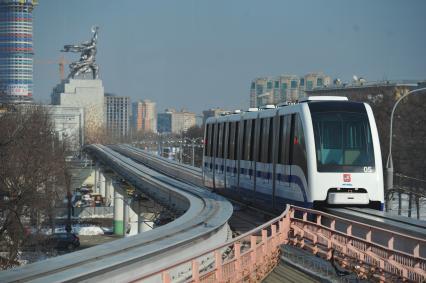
{"x":33,"y":178}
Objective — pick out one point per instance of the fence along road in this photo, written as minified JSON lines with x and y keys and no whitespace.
{"x":202,"y":226}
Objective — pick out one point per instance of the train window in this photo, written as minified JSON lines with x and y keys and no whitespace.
{"x":284,"y":139}
{"x":265,"y":143}
{"x":298,"y":144}
{"x":207,"y":140}
{"x":244,"y":141}
{"x":232,"y":142}
{"x":280,"y":139}
{"x":270,"y":140}
{"x":228,"y":139}
{"x":259,"y":140}
{"x":343,"y":141}
{"x":223,"y":139}
{"x":237,"y":135}
{"x":212,"y":139}
{"x":248,"y":139}
{"x":216,"y":140}
{"x":252,"y":135}
{"x":220,"y":146}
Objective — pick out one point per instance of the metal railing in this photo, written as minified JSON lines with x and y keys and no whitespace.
{"x":370,"y":252}
{"x":407,"y":197}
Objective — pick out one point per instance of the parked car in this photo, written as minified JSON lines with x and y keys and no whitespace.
{"x":68,"y":241}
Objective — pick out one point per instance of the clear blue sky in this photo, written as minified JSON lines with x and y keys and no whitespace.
{"x":200,"y":54}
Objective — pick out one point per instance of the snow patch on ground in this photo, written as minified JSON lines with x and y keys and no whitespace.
{"x":79,"y":229}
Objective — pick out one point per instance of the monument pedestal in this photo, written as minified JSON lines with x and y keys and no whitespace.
{"x":88,"y":94}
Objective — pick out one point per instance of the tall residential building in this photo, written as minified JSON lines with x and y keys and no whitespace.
{"x":175,"y":122}
{"x":16,"y":50}
{"x":164,"y":121}
{"x":144,"y":116}
{"x":274,"y":90}
{"x":117,"y":115}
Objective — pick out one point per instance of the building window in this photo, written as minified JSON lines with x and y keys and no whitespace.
{"x":269,"y":85}
{"x":253,"y":85}
{"x":302,"y":82}
{"x":293,"y":84}
{"x":309,"y":85}
{"x":319,"y":82}
{"x":284,"y":86}
{"x":277,"y":84}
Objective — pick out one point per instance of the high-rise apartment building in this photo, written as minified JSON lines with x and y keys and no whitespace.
{"x":117,"y":115}
{"x":144,"y":116}
{"x":274,"y":90}
{"x":164,"y":121}
{"x":16,"y":50}
{"x":175,"y":122}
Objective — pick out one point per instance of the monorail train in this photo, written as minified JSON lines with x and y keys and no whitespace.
{"x":322,"y":151}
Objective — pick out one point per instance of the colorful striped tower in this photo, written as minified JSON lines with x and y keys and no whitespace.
{"x":16,"y":50}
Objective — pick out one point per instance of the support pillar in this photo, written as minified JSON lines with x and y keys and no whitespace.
{"x":126,"y":216}
{"x":95,"y":181}
{"x":145,"y":217}
{"x":133,"y":217}
{"x":144,"y":222}
{"x":399,"y":202}
{"x":109,"y":191}
{"x":410,"y":201}
{"x":418,"y":206}
{"x":102,"y":184}
{"x":118,"y":210}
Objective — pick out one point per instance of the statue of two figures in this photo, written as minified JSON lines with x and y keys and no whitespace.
{"x":87,"y":62}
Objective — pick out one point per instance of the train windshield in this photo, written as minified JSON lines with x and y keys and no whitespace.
{"x":343,"y":142}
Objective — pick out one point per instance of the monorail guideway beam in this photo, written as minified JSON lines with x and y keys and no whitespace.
{"x":203,"y":225}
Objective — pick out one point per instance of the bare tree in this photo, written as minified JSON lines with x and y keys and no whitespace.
{"x":195,"y":132}
{"x":32,"y":176}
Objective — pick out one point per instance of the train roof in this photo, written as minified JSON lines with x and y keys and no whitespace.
{"x":271,"y":110}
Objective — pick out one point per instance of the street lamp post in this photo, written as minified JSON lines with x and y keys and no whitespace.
{"x":389,"y":162}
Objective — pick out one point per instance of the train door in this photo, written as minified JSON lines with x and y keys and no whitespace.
{"x":274,"y":157}
{"x":233,"y":156}
{"x":257,"y":180}
{"x":226,"y":155}
{"x":219,"y":158}
{"x":298,"y":161}
{"x":214,"y":152}
{"x":208,"y":177}
{"x":265,"y":166}
{"x":239,"y":152}
{"x":282,"y":166}
{"x":246,"y":175}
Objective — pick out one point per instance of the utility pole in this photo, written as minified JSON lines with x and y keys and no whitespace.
{"x":181,"y":151}
{"x":193,"y":153}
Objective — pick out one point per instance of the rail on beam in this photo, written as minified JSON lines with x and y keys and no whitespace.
{"x":372,"y":253}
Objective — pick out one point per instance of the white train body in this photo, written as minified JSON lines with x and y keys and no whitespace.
{"x":311,"y":154}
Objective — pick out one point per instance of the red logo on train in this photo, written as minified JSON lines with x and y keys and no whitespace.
{"x":347,"y":178}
